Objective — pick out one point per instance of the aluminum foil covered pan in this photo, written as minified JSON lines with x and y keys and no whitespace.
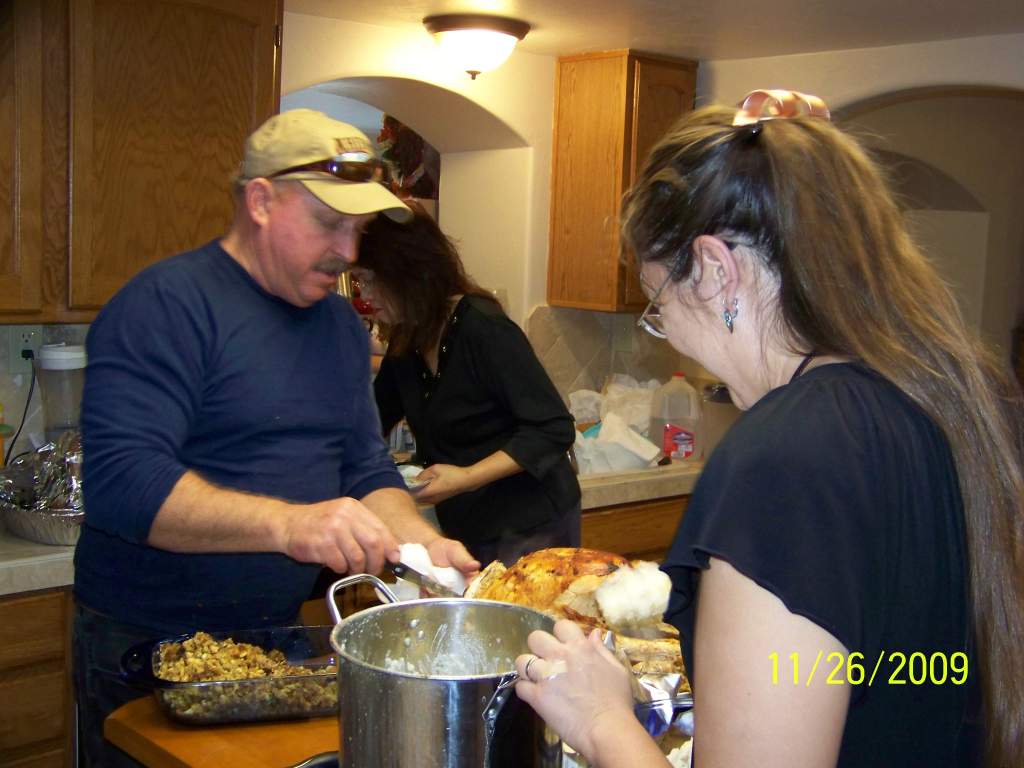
{"x":41,"y":492}
{"x":47,"y":526}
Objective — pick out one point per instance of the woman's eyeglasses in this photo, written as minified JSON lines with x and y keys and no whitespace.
{"x":650,"y":320}
{"x":356,"y":167}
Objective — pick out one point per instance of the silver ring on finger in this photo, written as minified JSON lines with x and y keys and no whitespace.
{"x":526,"y":669}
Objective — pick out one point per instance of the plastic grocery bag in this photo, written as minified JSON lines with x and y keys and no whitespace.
{"x":616,"y":448}
{"x":630,"y":399}
{"x":585,"y":405}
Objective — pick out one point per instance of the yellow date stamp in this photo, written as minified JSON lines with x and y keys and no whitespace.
{"x":886,"y":668}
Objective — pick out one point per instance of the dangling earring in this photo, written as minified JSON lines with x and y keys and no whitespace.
{"x":730,"y":315}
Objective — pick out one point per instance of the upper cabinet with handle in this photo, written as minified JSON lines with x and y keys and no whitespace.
{"x":143,"y":108}
{"x":610,"y":110}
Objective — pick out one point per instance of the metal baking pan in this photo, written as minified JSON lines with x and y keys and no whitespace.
{"x":45,"y":526}
{"x":213,"y":702}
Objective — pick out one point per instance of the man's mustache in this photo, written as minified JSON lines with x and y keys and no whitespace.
{"x":333,"y":266}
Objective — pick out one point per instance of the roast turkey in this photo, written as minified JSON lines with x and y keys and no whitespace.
{"x":563,"y":582}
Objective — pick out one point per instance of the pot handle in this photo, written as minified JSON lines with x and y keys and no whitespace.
{"x":356,"y":578}
{"x":493,"y":709}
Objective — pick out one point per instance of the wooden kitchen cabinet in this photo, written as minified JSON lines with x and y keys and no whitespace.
{"x":639,"y":530}
{"x":21,"y":95}
{"x":122,"y":124}
{"x":610,"y":110}
{"x":35,"y":680}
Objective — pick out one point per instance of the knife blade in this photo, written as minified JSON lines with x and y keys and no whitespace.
{"x":422,"y":580}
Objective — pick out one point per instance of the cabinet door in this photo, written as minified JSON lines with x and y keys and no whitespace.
{"x":35,"y":729}
{"x":588,"y":172}
{"x":21,"y":234}
{"x":610,"y":109}
{"x":662,"y":92}
{"x":163,"y":94}
{"x":641,"y":530}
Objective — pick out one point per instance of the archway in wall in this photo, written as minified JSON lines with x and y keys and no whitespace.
{"x":922,"y":186}
{"x":955,"y":155}
{"x":855,"y":109}
{"x":486,"y":172}
{"x":448,"y":120}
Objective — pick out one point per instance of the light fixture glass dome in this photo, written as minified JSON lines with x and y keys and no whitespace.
{"x":476,"y":50}
{"x":476,"y":42}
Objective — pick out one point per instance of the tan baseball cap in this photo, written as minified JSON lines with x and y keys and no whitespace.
{"x":334,"y":160}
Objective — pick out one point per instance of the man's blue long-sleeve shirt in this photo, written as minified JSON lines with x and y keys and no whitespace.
{"x":193,"y":366}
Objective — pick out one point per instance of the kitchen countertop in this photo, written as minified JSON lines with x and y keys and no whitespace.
{"x":26,"y":566}
{"x":609,"y":488}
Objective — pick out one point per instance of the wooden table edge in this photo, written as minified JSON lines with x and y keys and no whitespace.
{"x":145,"y":733}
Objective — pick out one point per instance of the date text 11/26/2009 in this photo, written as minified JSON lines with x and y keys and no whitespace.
{"x":917,"y":668}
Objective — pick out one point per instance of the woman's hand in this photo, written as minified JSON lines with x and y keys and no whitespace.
{"x":576,"y":685}
{"x":443,"y":482}
{"x":447,"y":480}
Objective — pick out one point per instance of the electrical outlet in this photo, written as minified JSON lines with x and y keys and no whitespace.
{"x":21,"y":337}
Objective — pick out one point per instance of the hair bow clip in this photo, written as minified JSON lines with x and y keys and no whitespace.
{"x":779,"y":105}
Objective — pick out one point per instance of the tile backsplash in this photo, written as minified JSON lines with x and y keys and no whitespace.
{"x":14,"y":387}
{"x":580,"y":349}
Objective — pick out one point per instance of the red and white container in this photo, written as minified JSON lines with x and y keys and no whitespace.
{"x":675,"y":419}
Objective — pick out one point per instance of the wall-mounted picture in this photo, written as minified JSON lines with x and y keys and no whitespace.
{"x":414,"y":165}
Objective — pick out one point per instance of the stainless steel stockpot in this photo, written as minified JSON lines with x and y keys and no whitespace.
{"x":427,"y":684}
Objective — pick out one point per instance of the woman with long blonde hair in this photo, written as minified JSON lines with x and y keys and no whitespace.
{"x":848,"y":581}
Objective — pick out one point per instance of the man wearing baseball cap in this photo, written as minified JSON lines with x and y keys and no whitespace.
{"x":231,"y":444}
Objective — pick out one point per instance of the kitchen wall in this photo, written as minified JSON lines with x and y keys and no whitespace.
{"x":973,"y":136}
{"x":520,"y":95}
{"x":14,"y":387}
{"x":898,"y":95}
{"x":493,"y":202}
{"x":494,"y":199}
{"x":843,"y":78}
{"x":495,"y":184}
{"x":499,"y":198}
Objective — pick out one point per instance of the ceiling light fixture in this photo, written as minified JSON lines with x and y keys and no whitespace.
{"x":476,"y":42}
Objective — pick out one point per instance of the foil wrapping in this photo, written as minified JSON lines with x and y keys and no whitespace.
{"x":41,"y":492}
{"x":662,"y":703}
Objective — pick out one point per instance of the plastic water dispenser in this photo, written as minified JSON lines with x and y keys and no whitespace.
{"x":60,"y":371}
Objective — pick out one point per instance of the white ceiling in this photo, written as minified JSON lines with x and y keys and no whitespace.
{"x":704,"y":29}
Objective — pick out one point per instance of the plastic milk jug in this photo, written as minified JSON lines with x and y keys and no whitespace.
{"x":675,"y":419}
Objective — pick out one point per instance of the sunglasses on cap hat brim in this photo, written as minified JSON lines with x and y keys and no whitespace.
{"x":351,"y":167}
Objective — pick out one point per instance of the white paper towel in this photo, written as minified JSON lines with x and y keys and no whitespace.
{"x":415,"y":556}
{"x":616,"y":448}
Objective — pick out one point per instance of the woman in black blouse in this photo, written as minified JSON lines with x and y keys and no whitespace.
{"x":490,"y":426}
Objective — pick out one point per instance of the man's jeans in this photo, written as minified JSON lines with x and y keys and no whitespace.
{"x":97,"y":646}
